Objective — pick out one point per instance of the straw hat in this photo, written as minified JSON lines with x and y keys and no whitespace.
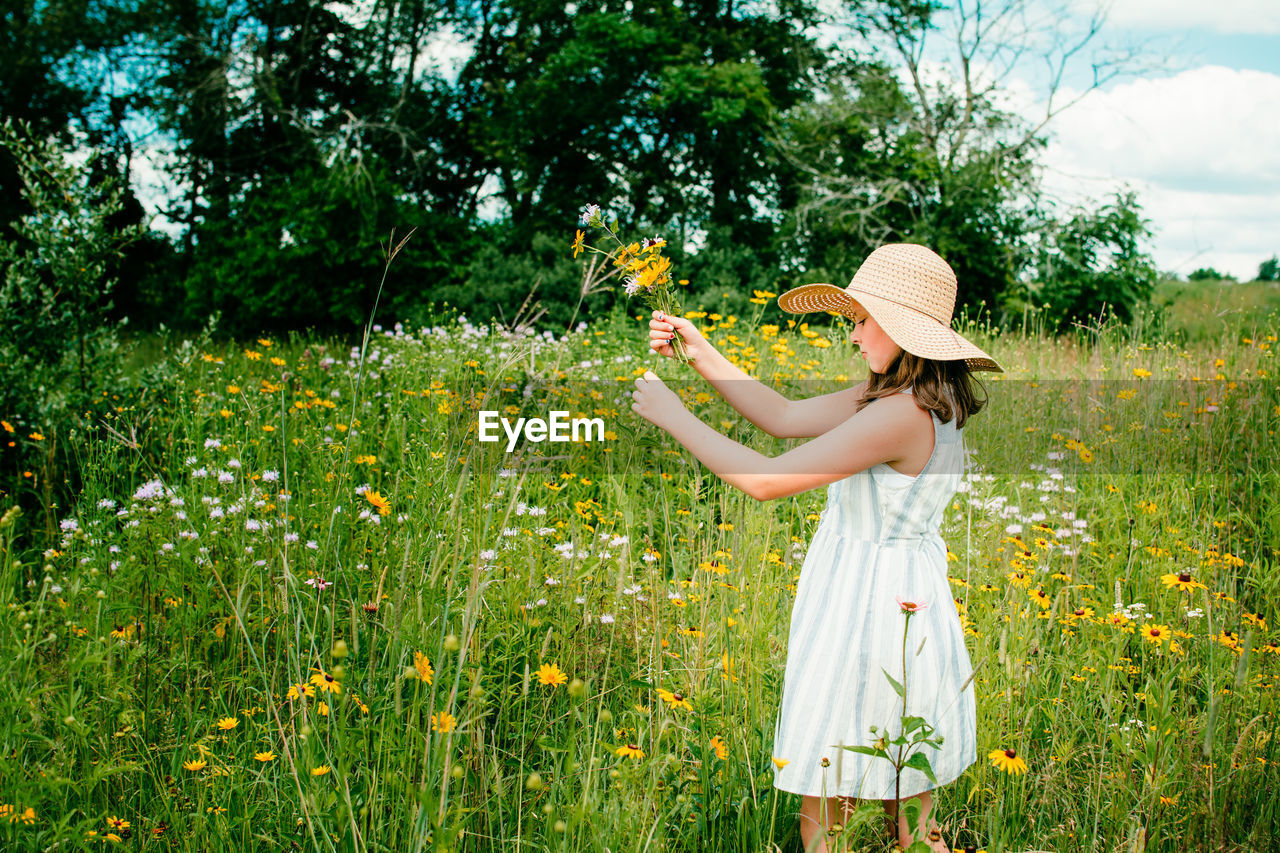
{"x":911,"y":293}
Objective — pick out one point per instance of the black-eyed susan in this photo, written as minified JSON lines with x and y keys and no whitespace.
{"x":674,"y":700}
{"x":443,"y":722}
{"x":1040,"y":597}
{"x":629,"y":750}
{"x":1008,"y":761}
{"x":578,"y":240}
{"x":551,"y":675}
{"x":117,"y":823}
{"x":1181,"y":581}
{"x":325,"y":682}
{"x":722,"y":751}
{"x":1157,"y":634}
{"x":298,"y":691}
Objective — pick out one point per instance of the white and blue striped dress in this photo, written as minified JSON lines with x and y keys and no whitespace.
{"x":877,"y":543}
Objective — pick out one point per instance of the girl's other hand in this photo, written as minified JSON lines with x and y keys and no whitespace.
{"x":654,"y":401}
{"x":663,"y":329}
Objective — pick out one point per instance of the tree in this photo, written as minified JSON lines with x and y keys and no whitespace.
{"x":1094,"y":261}
{"x":920,"y":144}
{"x":58,"y":345}
{"x":1208,"y":274}
{"x":1269,"y":270}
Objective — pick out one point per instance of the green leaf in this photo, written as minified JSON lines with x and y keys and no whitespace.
{"x":919,"y":761}
{"x":898,"y":688}
{"x":866,"y":750}
{"x":911,"y":723}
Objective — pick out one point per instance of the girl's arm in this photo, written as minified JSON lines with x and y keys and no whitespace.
{"x":888,"y":431}
{"x":755,"y":401}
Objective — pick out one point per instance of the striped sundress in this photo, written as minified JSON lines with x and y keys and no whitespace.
{"x":877,"y":544}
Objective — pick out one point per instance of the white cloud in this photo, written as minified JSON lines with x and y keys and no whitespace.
{"x":1248,"y":17}
{"x":1198,"y":146}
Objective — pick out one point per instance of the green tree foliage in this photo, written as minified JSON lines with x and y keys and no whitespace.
{"x":58,"y":348}
{"x":1093,"y":264}
{"x":54,"y":76}
{"x":1269,"y":270}
{"x":1208,"y":274}
{"x":298,"y":133}
{"x":881,"y":159}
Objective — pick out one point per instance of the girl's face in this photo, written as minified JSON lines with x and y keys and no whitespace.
{"x":876,"y":347}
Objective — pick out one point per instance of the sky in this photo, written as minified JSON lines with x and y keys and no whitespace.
{"x":1198,"y":138}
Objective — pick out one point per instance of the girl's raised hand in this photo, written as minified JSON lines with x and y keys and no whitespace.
{"x":662,"y":331}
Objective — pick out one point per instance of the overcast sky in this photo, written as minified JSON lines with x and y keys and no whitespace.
{"x":1199,"y":140}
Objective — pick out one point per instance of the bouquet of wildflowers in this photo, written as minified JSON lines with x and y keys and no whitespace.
{"x":647,"y":271}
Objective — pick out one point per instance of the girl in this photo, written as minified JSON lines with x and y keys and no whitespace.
{"x":890,"y":451}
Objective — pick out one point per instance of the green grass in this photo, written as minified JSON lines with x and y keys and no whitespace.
{"x":130,"y":635}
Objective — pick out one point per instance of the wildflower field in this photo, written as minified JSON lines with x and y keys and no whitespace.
{"x":298,"y":605}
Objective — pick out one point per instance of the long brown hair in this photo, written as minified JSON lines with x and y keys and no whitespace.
{"x":945,"y":388}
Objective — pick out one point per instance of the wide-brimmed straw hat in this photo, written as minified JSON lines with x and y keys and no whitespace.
{"x":911,"y":293}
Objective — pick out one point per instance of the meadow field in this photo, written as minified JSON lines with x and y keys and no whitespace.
{"x":297,"y":605}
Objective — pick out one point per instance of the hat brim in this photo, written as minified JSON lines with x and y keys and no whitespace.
{"x":917,"y":333}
